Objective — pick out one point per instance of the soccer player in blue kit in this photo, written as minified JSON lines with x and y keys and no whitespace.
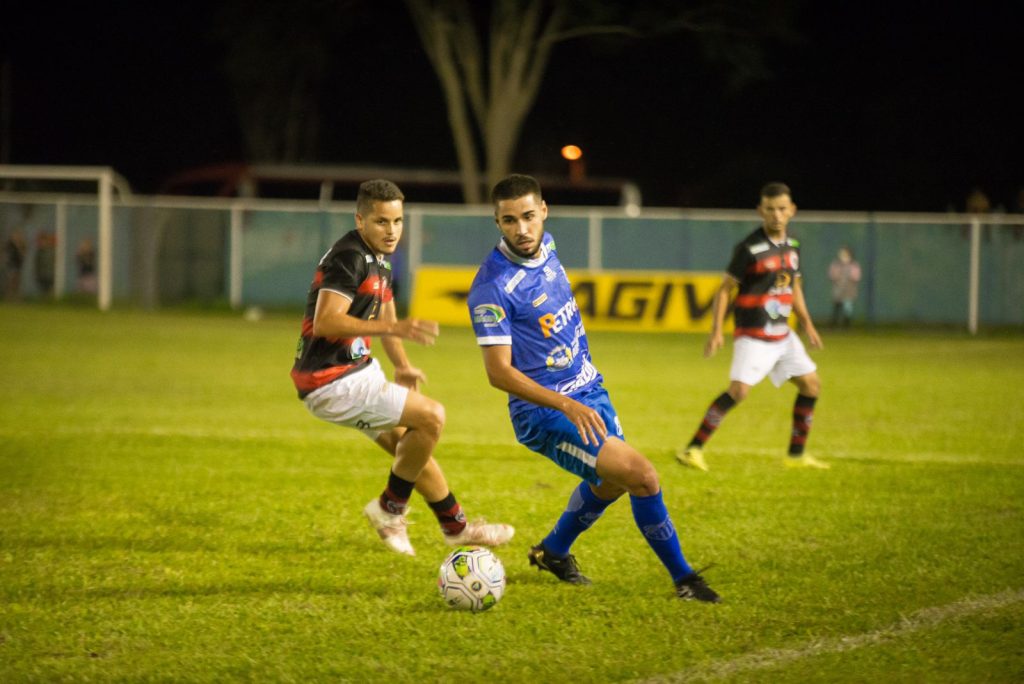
{"x":534,"y":346}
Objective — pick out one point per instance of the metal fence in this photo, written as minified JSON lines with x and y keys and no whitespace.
{"x":917,"y":268}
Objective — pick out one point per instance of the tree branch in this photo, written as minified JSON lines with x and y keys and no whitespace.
{"x":435,"y":32}
{"x":594,"y":30}
{"x":466,"y":43}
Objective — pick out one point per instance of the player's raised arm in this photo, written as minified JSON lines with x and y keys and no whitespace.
{"x":415,"y":330}
{"x":504,"y":376}
{"x":406,"y":374}
{"x":331,"y":319}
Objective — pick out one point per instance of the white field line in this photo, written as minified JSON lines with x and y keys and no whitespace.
{"x":333,"y":436}
{"x":324,"y":434}
{"x":838,"y":455}
{"x":927,"y":618}
{"x":160,"y":431}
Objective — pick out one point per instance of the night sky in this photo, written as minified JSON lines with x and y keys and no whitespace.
{"x":905,"y":107}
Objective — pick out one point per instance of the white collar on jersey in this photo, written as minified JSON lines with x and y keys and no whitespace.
{"x":535,"y":262}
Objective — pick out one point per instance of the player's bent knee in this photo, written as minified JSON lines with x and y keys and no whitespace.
{"x":643,"y":486}
{"x":630,"y":470}
{"x":435,"y":418}
{"x":808,"y":385}
{"x":646,"y":482}
{"x":738,"y":391}
{"x":424,"y":414}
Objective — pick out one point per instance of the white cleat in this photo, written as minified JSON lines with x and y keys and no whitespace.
{"x":391,"y":528}
{"x":482,"y":533}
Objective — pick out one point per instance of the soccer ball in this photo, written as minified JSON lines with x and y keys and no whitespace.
{"x":471,"y":578}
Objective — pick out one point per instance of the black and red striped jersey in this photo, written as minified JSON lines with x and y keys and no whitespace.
{"x":351,"y":269}
{"x":766,"y":272}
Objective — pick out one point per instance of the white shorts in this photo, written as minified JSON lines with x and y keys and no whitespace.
{"x":753,"y":359}
{"x":364,"y":400}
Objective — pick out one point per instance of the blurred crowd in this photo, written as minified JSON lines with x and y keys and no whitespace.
{"x":35,"y":261}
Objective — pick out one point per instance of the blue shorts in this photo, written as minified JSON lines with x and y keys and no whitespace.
{"x":550,"y":433}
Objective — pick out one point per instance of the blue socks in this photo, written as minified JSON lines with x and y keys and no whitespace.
{"x":654,"y":522}
{"x":649,"y":513}
{"x":583,"y":510}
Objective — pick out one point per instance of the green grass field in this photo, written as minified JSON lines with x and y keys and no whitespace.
{"x":170,"y":512}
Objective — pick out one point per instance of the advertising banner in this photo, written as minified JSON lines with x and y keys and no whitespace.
{"x":654,"y":301}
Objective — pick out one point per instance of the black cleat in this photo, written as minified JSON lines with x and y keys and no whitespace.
{"x":564,"y":569}
{"x":694,"y":588}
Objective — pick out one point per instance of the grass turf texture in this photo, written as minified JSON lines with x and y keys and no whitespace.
{"x":169,"y":511}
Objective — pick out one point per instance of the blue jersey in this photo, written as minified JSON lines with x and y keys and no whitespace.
{"x":528,"y":304}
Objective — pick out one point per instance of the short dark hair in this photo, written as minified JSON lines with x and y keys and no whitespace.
{"x":515,"y":186}
{"x":775,"y":189}
{"x":378,"y":190}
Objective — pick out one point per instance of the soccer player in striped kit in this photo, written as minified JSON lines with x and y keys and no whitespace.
{"x":339,"y":381}
{"x":765,"y":269}
{"x":528,"y":325}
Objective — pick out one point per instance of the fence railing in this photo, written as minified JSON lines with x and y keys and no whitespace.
{"x":156,"y":250}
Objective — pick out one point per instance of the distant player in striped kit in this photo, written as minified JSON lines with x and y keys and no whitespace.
{"x":528,"y":325}
{"x":765,"y":269}
{"x":350,"y":300}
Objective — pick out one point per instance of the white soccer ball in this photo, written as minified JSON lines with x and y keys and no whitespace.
{"x":471,"y":578}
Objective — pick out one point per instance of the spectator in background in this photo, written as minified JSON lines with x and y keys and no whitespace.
{"x":85,"y":264}
{"x":977,"y":202}
{"x":45,"y":261}
{"x":844,"y":272}
{"x":14,"y":259}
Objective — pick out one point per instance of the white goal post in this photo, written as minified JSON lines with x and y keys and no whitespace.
{"x":107,"y":181}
